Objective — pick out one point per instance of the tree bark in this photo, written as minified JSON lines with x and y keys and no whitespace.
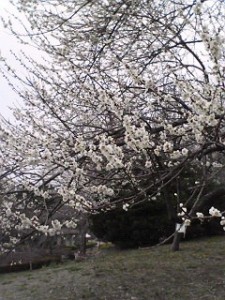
{"x":176,"y":241}
{"x":83,"y":231}
{"x":198,"y":205}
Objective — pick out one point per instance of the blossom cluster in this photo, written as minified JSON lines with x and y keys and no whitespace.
{"x":213,"y":213}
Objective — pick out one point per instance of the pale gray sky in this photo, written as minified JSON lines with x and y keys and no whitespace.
{"x":7,"y":42}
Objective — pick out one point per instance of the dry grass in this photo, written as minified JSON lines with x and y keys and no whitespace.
{"x":196,"y":272}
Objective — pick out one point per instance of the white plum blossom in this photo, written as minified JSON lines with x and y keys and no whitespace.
{"x":199,"y":215}
{"x":182,"y":212}
{"x":187,"y":222}
{"x":222,"y":222}
{"x":217,"y":165}
{"x":214,"y":212}
{"x":167,"y":147}
{"x":126,"y":206}
{"x":148,"y":164}
{"x":184,"y":151}
{"x":70,"y":224}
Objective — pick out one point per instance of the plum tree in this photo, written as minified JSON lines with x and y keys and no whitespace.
{"x":127,"y":95}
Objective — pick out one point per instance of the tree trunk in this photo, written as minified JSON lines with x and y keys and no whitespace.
{"x":176,"y":241}
{"x":83,"y":231}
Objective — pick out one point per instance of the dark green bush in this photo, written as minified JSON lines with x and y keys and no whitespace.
{"x":148,"y":223}
{"x":139,"y":226}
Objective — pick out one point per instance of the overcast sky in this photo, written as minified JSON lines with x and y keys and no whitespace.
{"x":7,"y":43}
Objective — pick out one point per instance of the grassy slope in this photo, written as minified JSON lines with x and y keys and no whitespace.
{"x":196,"y":272}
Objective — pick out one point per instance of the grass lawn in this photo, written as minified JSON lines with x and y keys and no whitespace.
{"x":196,"y":272}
